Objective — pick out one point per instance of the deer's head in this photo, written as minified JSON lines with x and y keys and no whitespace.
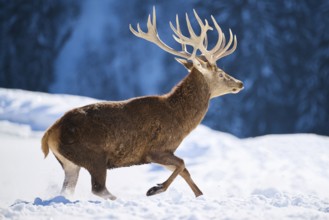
{"x":201,"y":58}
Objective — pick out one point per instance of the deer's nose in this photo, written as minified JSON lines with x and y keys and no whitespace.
{"x":240,"y":85}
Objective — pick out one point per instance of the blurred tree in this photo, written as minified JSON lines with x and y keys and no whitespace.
{"x":280,"y":50}
{"x":313,"y":101}
{"x":248,"y":113}
{"x":282,"y":56}
{"x":106,"y":66}
{"x":32,"y":35}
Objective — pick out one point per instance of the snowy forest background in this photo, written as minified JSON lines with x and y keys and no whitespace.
{"x":86,"y":48}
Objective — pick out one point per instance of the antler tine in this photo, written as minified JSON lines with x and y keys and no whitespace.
{"x":180,"y":37}
{"x":221,"y":53}
{"x":235,"y":42}
{"x":220,"y":37}
{"x":223,"y":42}
{"x":150,"y":25}
{"x":154,"y":17}
{"x":202,"y":38}
{"x":220,"y":50}
{"x":152,"y":36}
{"x":189,"y":27}
{"x":205,"y":27}
{"x":179,"y":30}
{"x":197,"y":42}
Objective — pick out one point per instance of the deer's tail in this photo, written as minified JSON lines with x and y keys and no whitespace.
{"x":44,"y":144}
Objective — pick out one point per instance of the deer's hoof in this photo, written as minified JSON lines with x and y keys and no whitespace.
{"x":111,"y":197}
{"x":155,"y":190}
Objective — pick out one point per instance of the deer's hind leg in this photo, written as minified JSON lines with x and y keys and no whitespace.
{"x":71,"y":172}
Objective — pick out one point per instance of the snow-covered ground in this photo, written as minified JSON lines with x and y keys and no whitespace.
{"x":268,"y":177}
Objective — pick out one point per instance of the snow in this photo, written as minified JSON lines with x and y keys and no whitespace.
{"x":267,"y":177}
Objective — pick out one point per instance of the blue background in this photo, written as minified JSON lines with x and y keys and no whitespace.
{"x":86,"y":48}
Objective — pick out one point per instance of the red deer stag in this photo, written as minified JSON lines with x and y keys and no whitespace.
{"x":148,"y":129}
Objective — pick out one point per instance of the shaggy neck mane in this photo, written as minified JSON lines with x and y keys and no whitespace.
{"x":190,"y":99}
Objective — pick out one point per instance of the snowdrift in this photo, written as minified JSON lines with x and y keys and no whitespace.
{"x":268,"y":177}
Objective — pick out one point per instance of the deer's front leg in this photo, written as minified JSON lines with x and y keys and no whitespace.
{"x":166,"y":159}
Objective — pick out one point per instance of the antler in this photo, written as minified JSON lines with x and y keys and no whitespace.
{"x":220,"y":50}
{"x":198,"y":42}
{"x":152,"y":36}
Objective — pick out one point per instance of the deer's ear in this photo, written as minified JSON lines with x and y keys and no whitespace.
{"x":188,"y":65}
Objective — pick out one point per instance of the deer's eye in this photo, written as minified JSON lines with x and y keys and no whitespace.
{"x":220,"y":75}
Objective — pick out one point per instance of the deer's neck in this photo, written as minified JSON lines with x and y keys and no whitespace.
{"x":190,"y":100}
